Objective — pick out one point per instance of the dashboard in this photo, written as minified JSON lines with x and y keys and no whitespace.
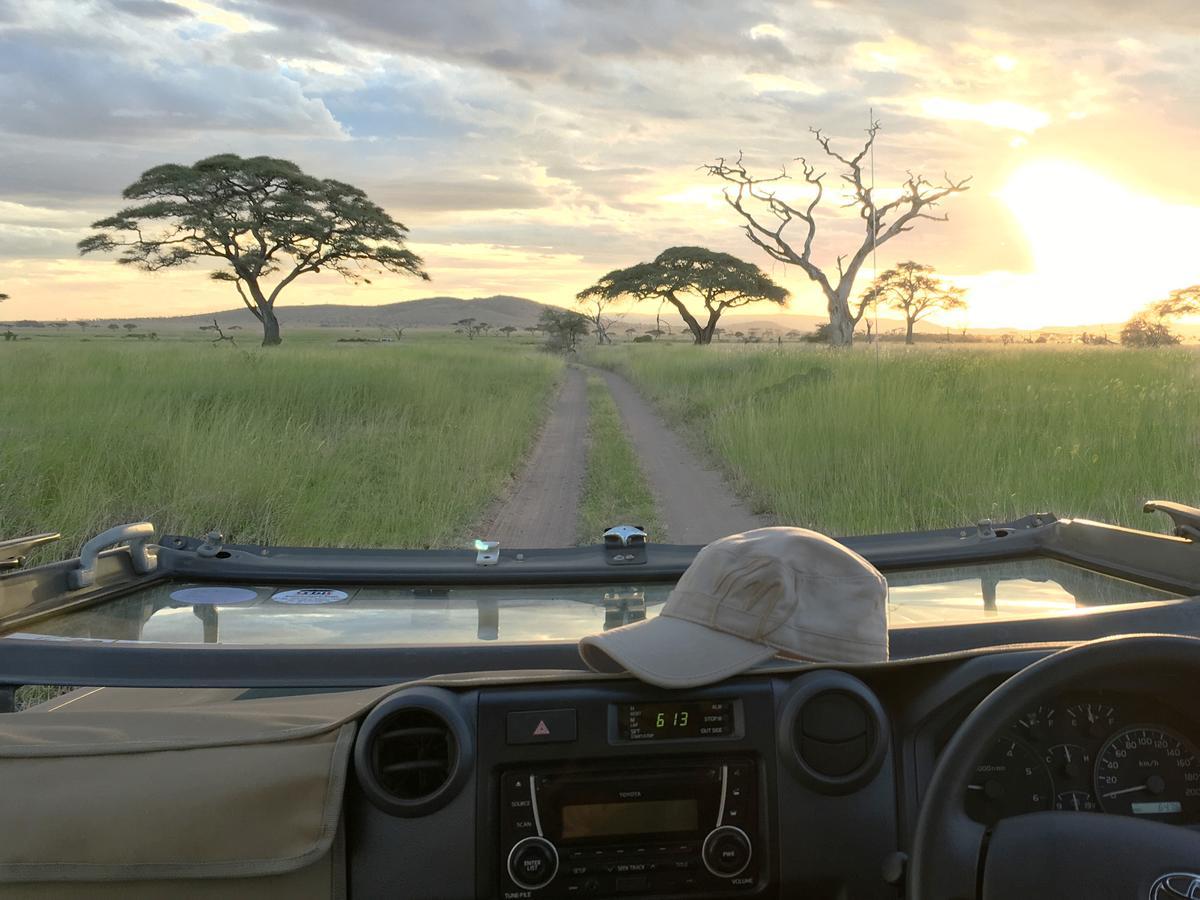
{"x":1093,"y":751}
{"x":805,"y":782}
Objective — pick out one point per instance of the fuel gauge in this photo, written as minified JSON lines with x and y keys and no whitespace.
{"x":1036,"y":724}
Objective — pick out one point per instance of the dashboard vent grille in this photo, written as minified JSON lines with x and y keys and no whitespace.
{"x":836,"y":735}
{"x":413,"y":754}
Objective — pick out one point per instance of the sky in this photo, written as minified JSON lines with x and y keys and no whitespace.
{"x":530,"y":146}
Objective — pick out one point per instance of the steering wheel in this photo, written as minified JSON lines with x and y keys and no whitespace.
{"x":1047,"y":854}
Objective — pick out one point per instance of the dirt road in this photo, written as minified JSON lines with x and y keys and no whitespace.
{"x":543,"y":507}
{"x":695,"y":503}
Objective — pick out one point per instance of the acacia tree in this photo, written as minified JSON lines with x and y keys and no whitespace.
{"x":563,"y":327}
{"x":1149,"y":328}
{"x":720,"y":281}
{"x":257,"y":217}
{"x":767,"y":216}
{"x":1183,"y":302}
{"x":914,"y":290}
{"x":3,"y":297}
{"x":595,"y":306}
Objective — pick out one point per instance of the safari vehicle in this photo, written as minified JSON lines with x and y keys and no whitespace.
{"x":267,"y":721}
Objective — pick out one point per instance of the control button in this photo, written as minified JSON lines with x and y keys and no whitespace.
{"x":577,"y":869}
{"x":545,"y":726}
{"x":735,"y":814}
{"x":726,"y":851}
{"x":532,"y":863}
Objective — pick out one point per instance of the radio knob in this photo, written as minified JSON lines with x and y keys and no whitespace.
{"x":726,"y":851}
{"x":532,"y":863}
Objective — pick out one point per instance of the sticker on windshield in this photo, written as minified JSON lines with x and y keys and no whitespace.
{"x":310,"y":596}
{"x":213,"y":595}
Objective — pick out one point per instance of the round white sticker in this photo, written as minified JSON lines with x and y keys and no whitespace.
{"x":213,"y":595}
{"x":309,"y":596}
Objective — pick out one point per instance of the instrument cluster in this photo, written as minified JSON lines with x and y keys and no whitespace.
{"x":1092,"y":752}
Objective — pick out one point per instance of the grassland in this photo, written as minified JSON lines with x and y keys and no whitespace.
{"x":614,"y":490}
{"x":398,"y":444}
{"x":864,"y":441}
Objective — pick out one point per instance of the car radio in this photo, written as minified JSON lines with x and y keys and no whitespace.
{"x":680,"y":828}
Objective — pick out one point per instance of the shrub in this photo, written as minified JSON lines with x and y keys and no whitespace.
{"x":1141,"y":332}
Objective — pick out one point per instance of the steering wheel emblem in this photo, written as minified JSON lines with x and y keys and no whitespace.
{"x":1176,"y":886}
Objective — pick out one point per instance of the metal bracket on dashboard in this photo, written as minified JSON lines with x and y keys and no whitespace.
{"x":625,"y":545}
{"x":487,"y":553}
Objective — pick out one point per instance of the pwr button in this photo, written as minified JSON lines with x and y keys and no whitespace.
{"x":542,"y":726}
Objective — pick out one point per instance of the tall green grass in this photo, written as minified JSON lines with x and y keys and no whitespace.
{"x":858,"y":442}
{"x":398,"y":444}
{"x":614,"y":489}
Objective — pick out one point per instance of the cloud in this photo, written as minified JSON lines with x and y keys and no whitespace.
{"x":571,"y":129}
{"x":151,"y":9}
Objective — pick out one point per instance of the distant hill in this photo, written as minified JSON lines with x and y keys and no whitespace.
{"x":520,"y":312}
{"x":443,"y":312}
{"x":432,"y":312}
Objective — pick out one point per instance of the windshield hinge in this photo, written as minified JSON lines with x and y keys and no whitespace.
{"x":14,"y":551}
{"x":214,"y":541}
{"x":136,"y":534}
{"x":1185,"y":518}
{"x":487,"y":553}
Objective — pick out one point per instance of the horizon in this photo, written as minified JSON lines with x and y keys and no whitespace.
{"x":531,"y":150}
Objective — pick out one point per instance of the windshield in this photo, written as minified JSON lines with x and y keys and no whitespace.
{"x":377,"y":275}
{"x":363,"y":615}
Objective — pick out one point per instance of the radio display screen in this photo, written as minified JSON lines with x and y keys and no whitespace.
{"x":589,"y":820}
{"x":658,"y":721}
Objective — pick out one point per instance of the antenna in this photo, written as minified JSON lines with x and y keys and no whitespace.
{"x":878,"y":523}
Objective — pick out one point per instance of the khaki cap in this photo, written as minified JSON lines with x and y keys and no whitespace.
{"x":747,"y":598}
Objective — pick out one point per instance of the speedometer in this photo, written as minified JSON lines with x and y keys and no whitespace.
{"x":1149,"y":771}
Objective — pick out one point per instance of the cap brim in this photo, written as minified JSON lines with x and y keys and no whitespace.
{"x":671,"y":652}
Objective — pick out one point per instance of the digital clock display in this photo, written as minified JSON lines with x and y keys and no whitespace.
{"x":663,"y":721}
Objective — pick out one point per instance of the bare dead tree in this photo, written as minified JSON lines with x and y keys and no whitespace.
{"x":755,"y":198}
{"x":221,"y":335}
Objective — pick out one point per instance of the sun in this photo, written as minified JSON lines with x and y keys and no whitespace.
{"x":1100,"y":250}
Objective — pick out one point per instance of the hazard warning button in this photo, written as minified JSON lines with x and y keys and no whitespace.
{"x":541,"y":726}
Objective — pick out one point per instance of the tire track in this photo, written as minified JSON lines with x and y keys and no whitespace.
{"x":542,"y":509}
{"x":695,"y":502}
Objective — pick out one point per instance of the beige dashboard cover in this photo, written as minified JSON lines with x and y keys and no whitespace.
{"x":206,"y":799}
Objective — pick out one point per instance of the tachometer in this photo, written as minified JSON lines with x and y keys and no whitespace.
{"x":1009,"y":781}
{"x":1149,"y":771}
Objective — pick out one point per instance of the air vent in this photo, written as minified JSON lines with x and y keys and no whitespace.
{"x":413,"y":752}
{"x":835,"y":733}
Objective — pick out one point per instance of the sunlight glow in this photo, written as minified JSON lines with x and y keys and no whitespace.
{"x":766,"y":29}
{"x":1100,"y":251}
{"x":998,"y":113}
{"x":223,"y":18}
